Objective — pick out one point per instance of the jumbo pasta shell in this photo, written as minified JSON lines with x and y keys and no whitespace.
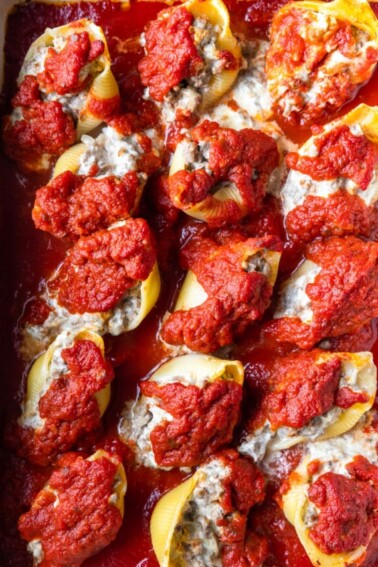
{"x":295,"y":502}
{"x":358,"y":13}
{"x":120,"y":480}
{"x":70,"y":160}
{"x":149,"y":293}
{"x":197,"y":367}
{"x":191,"y":293}
{"x":166,"y":516}
{"x":364,"y":116}
{"x":367,"y":381}
{"x":216,"y":12}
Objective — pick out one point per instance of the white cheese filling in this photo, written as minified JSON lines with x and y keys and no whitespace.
{"x":293,"y":300}
{"x":187,"y":97}
{"x":250,"y":90}
{"x":138,"y":421}
{"x":35,"y":548}
{"x":37,"y":338}
{"x":197,"y":537}
{"x":195,"y":155}
{"x":111,"y":153}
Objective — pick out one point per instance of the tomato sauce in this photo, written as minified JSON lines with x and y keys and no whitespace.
{"x":31,"y":256}
{"x":62,"y":70}
{"x":74,"y":206}
{"x":203,"y":420}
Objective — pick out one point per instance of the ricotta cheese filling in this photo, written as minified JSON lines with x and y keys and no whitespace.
{"x":299,"y":185}
{"x":293,"y":300}
{"x":57,"y":367}
{"x":37,"y":338}
{"x":140,"y":417}
{"x":111,"y":153}
{"x":250,"y":90}
{"x":197,"y":537}
{"x":259,"y":443}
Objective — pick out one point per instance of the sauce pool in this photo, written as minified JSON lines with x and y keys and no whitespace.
{"x":30,"y":256}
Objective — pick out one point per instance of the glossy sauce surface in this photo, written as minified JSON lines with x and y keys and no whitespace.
{"x":31,"y":256}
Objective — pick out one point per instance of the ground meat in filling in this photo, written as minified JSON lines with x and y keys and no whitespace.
{"x":114,"y":153}
{"x":316,"y":63}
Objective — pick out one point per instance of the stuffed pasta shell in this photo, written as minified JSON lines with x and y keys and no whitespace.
{"x":332,"y":293}
{"x":188,"y":409}
{"x":66,"y":88}
{"x":67,"y":391}
{"x":320,"y":54}
{"x":331,"y":498}
{"x":219,"y":175}
{"x":192,"y":58}
{"x":310,"y":395}
{"x":203,"y":521}
{"x":227,"y":288}
{"x":332,"y":185}
{"x":98,"y":182}
{"x":108,"y":282}
{"x":78,"y":512}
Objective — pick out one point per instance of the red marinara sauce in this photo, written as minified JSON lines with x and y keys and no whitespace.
{"x":33,"y":255}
